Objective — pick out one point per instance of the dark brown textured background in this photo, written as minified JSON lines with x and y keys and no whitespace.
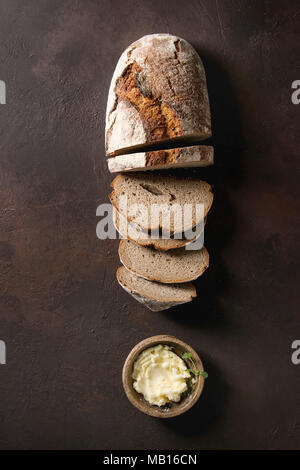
{"x":67,"y":325}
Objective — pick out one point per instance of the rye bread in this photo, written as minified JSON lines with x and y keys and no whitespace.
{"x":154,"y":295}
{"x":157,"y":203}
{"x":185,"y":157}
{"x":158,"y":94}
{"x":130,"y":231}
{"x":173,"y":266}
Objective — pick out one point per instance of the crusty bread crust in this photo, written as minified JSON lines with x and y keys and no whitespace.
{"x":158,"y":93}
{"x":185,"y":157}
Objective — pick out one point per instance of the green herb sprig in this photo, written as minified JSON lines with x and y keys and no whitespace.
{"x":194,"y":371}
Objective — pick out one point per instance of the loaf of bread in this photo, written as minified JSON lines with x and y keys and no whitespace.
{"x":155,"y":296}
{"x":173,"y":266}
{"x":157,"y":94}
{"x":146,"y":192}
{"x":185,"y":157}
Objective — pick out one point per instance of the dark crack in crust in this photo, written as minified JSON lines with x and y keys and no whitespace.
{"x":160,"y":120}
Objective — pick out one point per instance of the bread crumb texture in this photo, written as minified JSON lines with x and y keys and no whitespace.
{"x":156,"y":202}
{"x":173,"y":266}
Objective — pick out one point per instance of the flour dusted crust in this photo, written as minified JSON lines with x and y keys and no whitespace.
{"x":185,"y":157}
{"x":158,"y":93}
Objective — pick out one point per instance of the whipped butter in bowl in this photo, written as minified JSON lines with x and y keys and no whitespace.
{"x":160,"y":375}
{"x":163,"y":376}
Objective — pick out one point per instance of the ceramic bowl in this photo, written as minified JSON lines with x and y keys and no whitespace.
{"x":171,"y":409}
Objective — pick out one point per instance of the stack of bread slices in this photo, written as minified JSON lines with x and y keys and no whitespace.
{"x":157,"y":113}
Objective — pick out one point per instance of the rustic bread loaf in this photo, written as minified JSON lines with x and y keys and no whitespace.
{"x":139,"y":197}
{"x":130,"y":231}
{"x":185,"y":157}
{"x":157,"y":94}
{"x":173,"y":266}
{"x":155,"y":296}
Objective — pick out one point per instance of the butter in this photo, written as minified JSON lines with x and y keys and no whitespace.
{"x":160,"y":375}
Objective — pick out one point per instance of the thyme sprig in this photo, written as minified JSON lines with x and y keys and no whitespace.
{"x":194,"y":371}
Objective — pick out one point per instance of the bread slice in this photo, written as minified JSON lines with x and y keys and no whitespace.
{"x":186,"y":157}
{"x":161,"y":203}
{"x":155,"y":296}
{"x":173,"y":266}
{"x":130,"y":231}
{"x":158,"y":93}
